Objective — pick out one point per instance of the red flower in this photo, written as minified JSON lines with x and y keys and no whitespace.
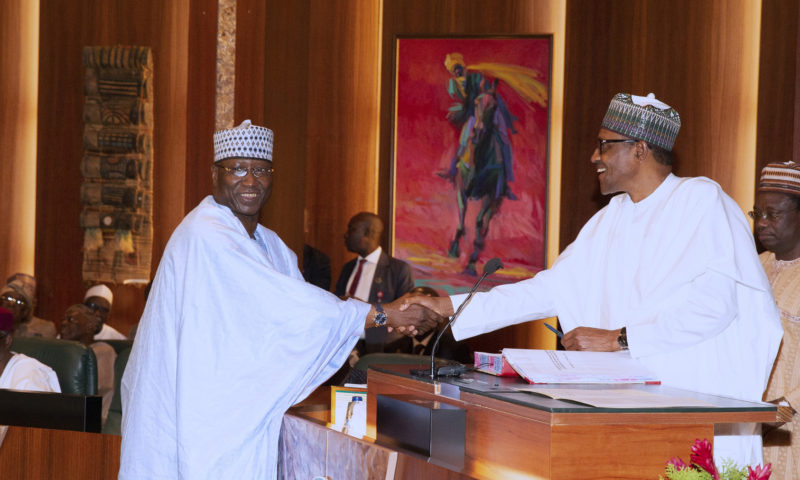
{"x":703,"y":457}
{"x":678,"y":464}
{"x":760,"y":473}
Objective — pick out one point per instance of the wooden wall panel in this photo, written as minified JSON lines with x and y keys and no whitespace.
{"x":199,"y":106}
{"x":343,"y":116}
{"x":19,"y":42}
{"x":164,"y":26}
{"x":699,"y":57}
{"x":271,"y":89}
{"x":778,"y":99}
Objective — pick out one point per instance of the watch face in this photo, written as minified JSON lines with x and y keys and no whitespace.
{"x":380,"y":319}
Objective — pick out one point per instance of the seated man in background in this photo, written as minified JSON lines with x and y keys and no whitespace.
{"x":99,"y":298}
{"x":777,"y":224}
{"x":20,"y":372}
{"x":316,"y":267}
{"x":667,"y":270}
{"x":378,"y":278}
{"x":19,"y":296}
{"x":80,"y":324}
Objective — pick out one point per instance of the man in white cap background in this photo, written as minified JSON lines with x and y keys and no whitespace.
{"x":99,"y":298}
{"x":777,"y":224}
{"x":668,"y":269}
{"x":231,"y":335}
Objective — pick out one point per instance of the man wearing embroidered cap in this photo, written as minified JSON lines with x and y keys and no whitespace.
{"x":100,"y":298}
{"x":231,"y":335}
{"x":777,"y":224}
{"x":668,"y":269}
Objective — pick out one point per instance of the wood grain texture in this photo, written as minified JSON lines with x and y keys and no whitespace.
{"x":343,"y":119}
{"x":37,"y":453}
{"x":582,"y":452}
{"x":778,"y":99}
{"x":271,"y":89}
{"x":19,"y":33}
{"x":164,"y":26}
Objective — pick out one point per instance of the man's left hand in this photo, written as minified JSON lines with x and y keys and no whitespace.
{"x":591,"y":339}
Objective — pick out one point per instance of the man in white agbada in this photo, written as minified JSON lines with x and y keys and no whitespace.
{"x":18,"y":371}
{"x":231,"y":335}
{"x":668,"y":270}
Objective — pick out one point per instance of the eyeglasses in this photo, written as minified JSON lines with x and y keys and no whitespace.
{"x":241,"y":172}
{"x":12,"y":300}
{"x":602,"y":142}
{"x":97,"y":308}
{"x":757,"y":215}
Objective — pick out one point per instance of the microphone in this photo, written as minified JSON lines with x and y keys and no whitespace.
{"x":491,"y":266}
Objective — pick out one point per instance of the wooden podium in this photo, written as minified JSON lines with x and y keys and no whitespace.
{"x":519,"y":435}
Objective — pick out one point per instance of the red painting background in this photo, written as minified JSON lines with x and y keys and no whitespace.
{"x":425,"y":209}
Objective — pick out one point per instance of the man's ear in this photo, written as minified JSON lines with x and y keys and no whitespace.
{"x":7,"y":340}
{"x":641,"y":150}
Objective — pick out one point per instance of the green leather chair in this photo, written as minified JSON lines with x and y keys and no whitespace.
{"x":74,"y":363}
{"x":113,"y":425}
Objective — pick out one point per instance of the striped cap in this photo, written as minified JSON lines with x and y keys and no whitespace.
{"x":780,"y":177}
{"x":643,"y":118}
{"x":244,"y":141}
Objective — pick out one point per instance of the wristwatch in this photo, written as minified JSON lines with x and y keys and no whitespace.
{"x":622,"y":339}
{"x":380,"y":316}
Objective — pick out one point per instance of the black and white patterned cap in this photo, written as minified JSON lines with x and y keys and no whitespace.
{"x":245,"y":141}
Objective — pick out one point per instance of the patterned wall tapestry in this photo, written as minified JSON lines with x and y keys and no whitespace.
{"x":117,"y":164}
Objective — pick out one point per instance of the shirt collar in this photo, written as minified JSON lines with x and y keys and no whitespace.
{"x":373,"y":257}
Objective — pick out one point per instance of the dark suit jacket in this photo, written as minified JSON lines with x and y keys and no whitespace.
{"x":316,"y":267}
{"x":391,"y":281}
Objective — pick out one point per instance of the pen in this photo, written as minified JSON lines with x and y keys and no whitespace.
{"x":554,"y":330}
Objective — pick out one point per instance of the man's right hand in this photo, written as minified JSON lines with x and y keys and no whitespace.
{"x":411,"y":319}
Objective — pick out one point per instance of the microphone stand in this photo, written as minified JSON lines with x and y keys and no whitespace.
{"x":491,"y":266}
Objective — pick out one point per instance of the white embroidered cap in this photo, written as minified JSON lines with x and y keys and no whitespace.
{"x":245,"y":141}
{"x":100,"y":291}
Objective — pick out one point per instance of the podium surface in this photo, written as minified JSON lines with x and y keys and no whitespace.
{"x":520,"y":435}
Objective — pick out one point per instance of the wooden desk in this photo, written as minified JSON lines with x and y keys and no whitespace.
{"x":40,"y":453}
{"x":518,"y":435}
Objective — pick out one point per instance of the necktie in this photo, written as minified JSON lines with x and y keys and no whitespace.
{"x":354,"y":284}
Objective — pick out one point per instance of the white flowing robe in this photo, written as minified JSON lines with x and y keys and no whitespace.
{"x":230,"y":338}
{"x":25,"y":373}
{"x":679,"y":269}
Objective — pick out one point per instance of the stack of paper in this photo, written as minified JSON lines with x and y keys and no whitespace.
{"x":558,"y":366}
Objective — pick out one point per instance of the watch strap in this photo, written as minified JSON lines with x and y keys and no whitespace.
{"x":380,"y":316}
{"x":622,"y":339}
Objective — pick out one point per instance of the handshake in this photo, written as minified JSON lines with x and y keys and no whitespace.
{"x":414,"y":313}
